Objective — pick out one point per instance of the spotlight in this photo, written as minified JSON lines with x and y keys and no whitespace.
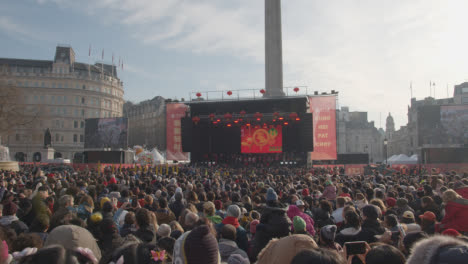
{"x":219,"y":120}
{"x":236,"y":121}
{"x":316,"y":93}
{"x":258,"y":119}
{"x":248,"y":124}
{"x":281,"y":118}
{"x":324,"y":93}
{"x":229,"y":125}
{"x":286,"y":123}
{"x":298,"y":119}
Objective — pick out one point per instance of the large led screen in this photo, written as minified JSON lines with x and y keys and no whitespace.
{"x":266,"y":139}
{"x":106,"y":132}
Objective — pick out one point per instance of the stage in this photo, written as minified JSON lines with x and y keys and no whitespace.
{"x":266,"y":131}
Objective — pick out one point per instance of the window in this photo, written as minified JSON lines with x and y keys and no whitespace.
{"x":82,"y":100}
{"x":26,"y":83}
{"x":82,"y":112}
{"x":52,"y":99}
{"x":81,"y":138}
{"x":76,"y":112}
{"x":60,"y":85}
{"x":57,"y":124}
{"x":77,"y":100}
{"x":75,"y":138}
{"x":82,"y":124}
{"x":61,"y":139}
{"x":75,"y":124}
{"x":84,"y":87}
{"x":17,"y":137}
{"x":77,"y":86}
{"x":53,"y":85}
{"x":465,"y":90}
{"x":57,"y":137}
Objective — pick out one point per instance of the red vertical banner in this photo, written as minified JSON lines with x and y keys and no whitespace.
{"x":323,"y":109}
{"x":174,"y":112}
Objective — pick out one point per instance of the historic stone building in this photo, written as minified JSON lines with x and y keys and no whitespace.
{"x":62,"y":93}
{"x":425,"y":128}
{"x":147,"y":123}
{"x":357,"y":135}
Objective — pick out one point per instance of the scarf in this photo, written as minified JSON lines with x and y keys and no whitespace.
{"x":231,"y":220}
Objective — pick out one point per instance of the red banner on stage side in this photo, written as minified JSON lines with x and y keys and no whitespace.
{"x":174,"y":112}
{"x":261,"y":139}
{"x":323,"y":109}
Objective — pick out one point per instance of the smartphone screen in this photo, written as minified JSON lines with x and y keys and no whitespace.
{"x":355,"y":248}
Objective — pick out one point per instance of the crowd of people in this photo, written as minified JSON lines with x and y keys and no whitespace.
{"x":230,"y":215}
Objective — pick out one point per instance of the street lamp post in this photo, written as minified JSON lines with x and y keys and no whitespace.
{"x":385,"y":142}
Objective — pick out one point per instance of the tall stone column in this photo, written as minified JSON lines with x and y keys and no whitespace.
{"x":273,"y":49}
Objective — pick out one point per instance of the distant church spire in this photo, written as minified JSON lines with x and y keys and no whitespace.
{"x":389,"y":126}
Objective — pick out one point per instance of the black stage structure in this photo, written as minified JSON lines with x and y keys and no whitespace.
{"x":211,"y":130}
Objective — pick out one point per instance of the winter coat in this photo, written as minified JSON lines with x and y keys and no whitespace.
{"x":241,"y":235}
{"x":274,"y":223}
{"x":145,"y":234}
{"x":177,"y":207}
{"x":165,"y":216}
{"x":347,"y":235}
{"x":322,"y":218}
{"x":456,"y":215}
{"x":329,"y":192}
{"x":369,"y":229}
{"x":295,"y":211}
{"x":11,"y":221}
{"x":443,"y":249}
{"x":228,"y":248}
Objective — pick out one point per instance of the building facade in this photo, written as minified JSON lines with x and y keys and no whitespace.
{"x":62,"y":93}
{"x":357,"y":135}
{"x":433,"y":123}
{"x":147,"y":123}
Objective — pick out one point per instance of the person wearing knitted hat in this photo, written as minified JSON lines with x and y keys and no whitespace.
{"x":297,"y":210}
{"x":232,"y":218}
{"x":274,"y":223}
{"x":197,"y":246}
{"x":327,"y":238}
{"x":299,"y":225}
{"x":271,"y":196}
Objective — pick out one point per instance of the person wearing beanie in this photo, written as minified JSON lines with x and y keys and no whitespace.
{"x":299,"y":225}
{"x":439,"y":249}
{"x":327,"y":238}
{"x":391,"y":202}
{"x":274,"y":223}
{"x":10,"y":220}
{"x":233,"y":214}
{"x":370,"y":226}
{"x":451,"y":232}
{"x":197,"y":246}
{"x":295,"y":210}
{"x":227,"y":245}
{"x":329,"y":192}
{"x":253,"y":226}
{"x":271,"y":196}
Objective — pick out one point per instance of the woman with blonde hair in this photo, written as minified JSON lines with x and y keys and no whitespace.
{"x":380,"y":204}
{"x":456,"y":212}
{"x":86,"y":207}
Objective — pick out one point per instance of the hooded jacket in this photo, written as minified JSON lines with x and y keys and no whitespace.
{"x":439,"y":249}
{"x":274,"y":223}
{"x":456,"y":215}
{"x":228,"y":247}
{"x":293,"y":211}
{"x":369,"y":229}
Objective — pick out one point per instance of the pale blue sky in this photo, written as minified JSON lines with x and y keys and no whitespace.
{"x":368,"y":50}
